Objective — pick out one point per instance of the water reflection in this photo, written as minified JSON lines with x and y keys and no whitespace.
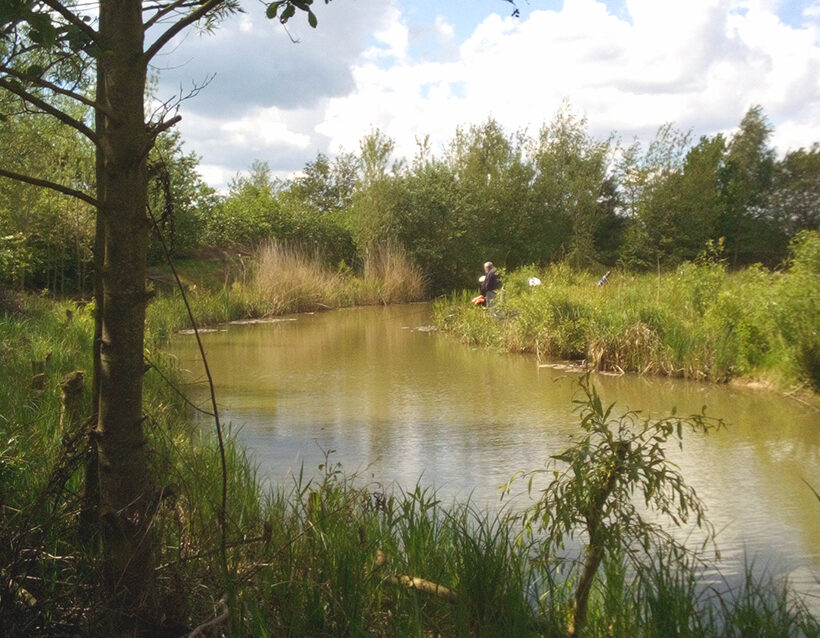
{"x":403,"y":405}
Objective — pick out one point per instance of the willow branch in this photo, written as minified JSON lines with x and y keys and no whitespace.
{"x":203,"y":10}
{"x":51,"y":110}
{"x":44,"y":183}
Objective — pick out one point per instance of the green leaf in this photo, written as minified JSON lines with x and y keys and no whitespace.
{"x":272,"y":9}
{"x":312,"y":21}
{"x":287,"y":14}
{"x":35,"y":71}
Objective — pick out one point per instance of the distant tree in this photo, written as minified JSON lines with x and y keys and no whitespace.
{"x":571,"y":172}
{"x":700,"y":204}
{"x":327,"y":185}
{"x":794,"y":201}
{"x":674,"y":198}
{"x":248,"y":214}
{"x":178,"y":198}
{"x":746,"y":180}
{"x":680,"y":207}
{"x":372,"y":215}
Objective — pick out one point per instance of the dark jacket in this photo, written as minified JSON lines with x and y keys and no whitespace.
{"x":491,"y":282}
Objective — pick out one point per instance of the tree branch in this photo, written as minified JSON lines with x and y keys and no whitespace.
{"x":44,"y":183}
{"x":164,"y":11}
{"x":203,"y":10}
{"x":57,"y":89}
{"x":161,"y":127}
{"x":71,"y":17}
{"x":20,"y":92}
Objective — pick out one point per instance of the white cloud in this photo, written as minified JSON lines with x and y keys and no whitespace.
{"x":262,"y":128}
{"x":700,"y":64}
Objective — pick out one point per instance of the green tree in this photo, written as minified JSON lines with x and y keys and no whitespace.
{"x":248,"y":214}
{"x":571,"y":190}
{"x":372,"y":213}
{"x":50,"y":236}
{"x":794,"y":202}
{"x":492,"y":180}
{"x":327,"y":185}
{"x":177,"y":197}
{"x":652,"y":192}
{"x":746,"y":180}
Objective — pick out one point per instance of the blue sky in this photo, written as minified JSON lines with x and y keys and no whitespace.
{"x":416,"y":68}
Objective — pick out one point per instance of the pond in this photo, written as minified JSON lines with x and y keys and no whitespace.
{"x":390,"y":398}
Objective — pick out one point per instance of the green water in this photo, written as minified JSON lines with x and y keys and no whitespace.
{"x":401,"y":404}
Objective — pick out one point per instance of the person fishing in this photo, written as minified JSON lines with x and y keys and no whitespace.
{"x":491,"y":283}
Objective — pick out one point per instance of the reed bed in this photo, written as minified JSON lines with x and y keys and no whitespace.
{"x":281,"y":279}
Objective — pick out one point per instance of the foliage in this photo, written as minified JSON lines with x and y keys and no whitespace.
{"x":794,"y":202}
{"x":46,"y":239}
{"x":561,"y":195}
{"x":178,"y":199}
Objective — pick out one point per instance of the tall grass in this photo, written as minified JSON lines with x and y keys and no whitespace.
{"x":699,"y":322}
{"x":281,"y":279}
{"x":291,"y":280}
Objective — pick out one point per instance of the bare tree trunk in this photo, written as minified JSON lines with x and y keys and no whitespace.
{"x":125,"y":489}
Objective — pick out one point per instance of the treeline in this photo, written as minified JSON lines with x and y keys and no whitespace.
{"x":513,"y":198}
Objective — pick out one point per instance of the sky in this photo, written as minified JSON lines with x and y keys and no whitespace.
{"x":414,"y":69}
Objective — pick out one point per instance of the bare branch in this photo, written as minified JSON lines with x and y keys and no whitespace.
{"x":51,"y":110}
{"x":158,"y":122}
{"x":44,"y":183}
{"x":204,"y":9}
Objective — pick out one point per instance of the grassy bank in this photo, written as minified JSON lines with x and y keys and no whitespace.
{"x":280,"y":280}
{"x":328,"y":556}
{"x":698,"y":322}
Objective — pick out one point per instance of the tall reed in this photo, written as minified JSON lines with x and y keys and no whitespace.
{"x":291,"y":280}
{"x":282,"y":279}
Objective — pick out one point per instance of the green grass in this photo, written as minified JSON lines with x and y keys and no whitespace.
{"x":698,"y":322}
